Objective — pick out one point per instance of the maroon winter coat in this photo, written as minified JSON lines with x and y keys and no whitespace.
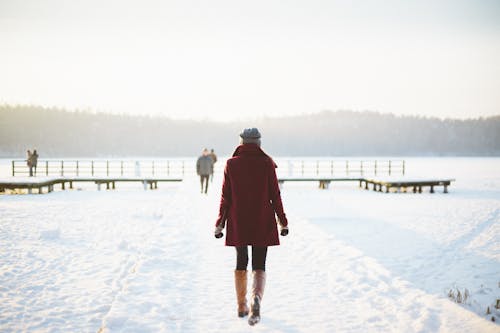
{"x":250,"y":198}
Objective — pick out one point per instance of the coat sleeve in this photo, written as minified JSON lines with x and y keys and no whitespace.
{"x":225,"y":200}
{"x":275,"y":196}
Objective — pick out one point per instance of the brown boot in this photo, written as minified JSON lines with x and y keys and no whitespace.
{"x":259,"y":282}
{"x":240,"y":283}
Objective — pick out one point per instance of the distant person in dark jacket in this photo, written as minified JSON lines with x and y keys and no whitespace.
{"x":214,"y":159}
{"x":204,"y":168}
{"x":29,"y":162}
{"x":34,"y":160}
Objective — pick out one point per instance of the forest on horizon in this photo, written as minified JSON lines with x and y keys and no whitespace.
{"x":61,"y":133}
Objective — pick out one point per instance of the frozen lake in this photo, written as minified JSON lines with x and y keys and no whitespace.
{"x":131,"y":260}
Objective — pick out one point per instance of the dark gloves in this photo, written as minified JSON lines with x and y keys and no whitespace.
{"x":283,"y":228}
{"x":218,"y":231}
{"x":283,"y":231}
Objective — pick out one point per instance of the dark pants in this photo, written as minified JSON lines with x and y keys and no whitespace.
{"x":259,"y":255}
{"x":31,"y":170}
{"x":204,"y":178}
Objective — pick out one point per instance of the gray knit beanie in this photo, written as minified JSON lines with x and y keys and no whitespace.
{"x":250,"y":135}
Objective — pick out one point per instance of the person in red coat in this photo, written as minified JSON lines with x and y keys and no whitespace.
{"x":250,"y":202}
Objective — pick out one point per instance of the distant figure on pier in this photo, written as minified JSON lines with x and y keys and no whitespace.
{"x":204,"y":168}
{"x":34,"y":160}
{"x":214,"y":160}
{"x":29,"y":162}
{"x":137,"y":169}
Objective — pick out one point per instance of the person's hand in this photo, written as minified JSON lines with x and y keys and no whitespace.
{"x":284,"y":231}
{"x":218,"y":231}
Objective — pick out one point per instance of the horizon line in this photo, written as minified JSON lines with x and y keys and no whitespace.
{"x":95,"y":111}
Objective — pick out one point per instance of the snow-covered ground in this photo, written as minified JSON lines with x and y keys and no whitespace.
{"x":355,"y":261}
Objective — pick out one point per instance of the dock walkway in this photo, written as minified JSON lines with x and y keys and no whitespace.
{"x":39,"y":184}
{"x":400,"y":185}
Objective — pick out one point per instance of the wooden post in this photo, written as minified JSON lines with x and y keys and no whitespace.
{"x":107,"y":170}
{"x":62,"y":168}
{"x":375,"y":167}
{"x":46,"y":168}
{"x":71,"y":185}
{"x":366,"y":185}
{"x":92,"y":170}
{"x":361,"y":165}
{"x":360,"y":183}
{"x":63,"y":185}
{"x":445,"y":189}
{"x":432,"y":188}
{"x":403,"y":167}
{"x":389,"y":167}
{"x":13,"y":169}
{"x":77,"y":169}
{"x":113,"y":184}
{"x":107,"y":185}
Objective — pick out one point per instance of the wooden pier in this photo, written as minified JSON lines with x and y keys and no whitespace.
{"x":401,"y":185}
{"x":369,"y":173}
{"x":48,"y":183}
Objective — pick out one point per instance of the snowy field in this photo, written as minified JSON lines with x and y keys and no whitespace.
{"x":355,"y":261}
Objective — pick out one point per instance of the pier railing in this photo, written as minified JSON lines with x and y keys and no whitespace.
{"x":341,"y":168}
{"x":104,"y":168}
{"x":181,"y":168}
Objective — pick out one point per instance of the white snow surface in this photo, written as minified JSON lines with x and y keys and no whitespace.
{"x":131,"y":260}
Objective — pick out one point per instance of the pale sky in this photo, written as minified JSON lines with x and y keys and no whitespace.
{"x":229,"y":59}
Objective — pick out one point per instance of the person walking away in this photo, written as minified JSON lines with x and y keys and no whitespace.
{"x":214,"y":160}
{"x":34,"y":160}
{"x":204,"y":168}
{"x":29,"y":162}
{"x":249,"y":204}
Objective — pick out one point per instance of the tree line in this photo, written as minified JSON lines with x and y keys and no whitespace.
{"x":62,"y":133}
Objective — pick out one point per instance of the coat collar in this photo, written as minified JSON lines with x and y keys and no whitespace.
{"x":251,"y":149}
